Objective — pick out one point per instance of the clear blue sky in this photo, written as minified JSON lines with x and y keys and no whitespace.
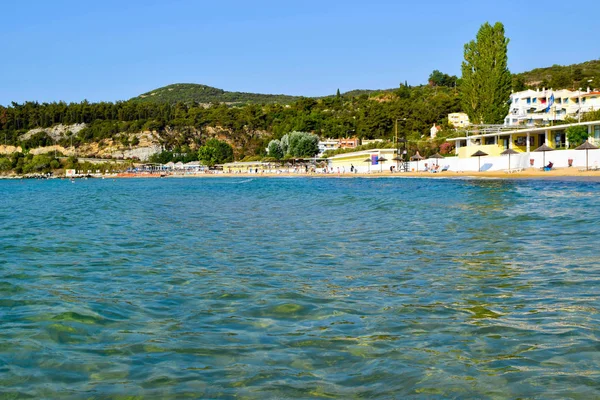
{"x":113,"y":50}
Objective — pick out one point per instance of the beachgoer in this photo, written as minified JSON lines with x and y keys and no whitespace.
{"x":351,"y":168}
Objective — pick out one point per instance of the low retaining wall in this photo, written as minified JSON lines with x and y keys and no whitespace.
{"x":499,"y":163}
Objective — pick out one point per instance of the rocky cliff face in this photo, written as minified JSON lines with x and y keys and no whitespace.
{"x":147,"y":142}
{"x":56,"y":132}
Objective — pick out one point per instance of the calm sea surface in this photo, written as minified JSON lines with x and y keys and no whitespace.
{"x":295,"y":287}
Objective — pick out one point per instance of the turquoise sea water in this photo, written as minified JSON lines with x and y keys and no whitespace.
{"x":287,"y":288}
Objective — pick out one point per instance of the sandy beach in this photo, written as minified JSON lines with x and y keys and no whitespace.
{"x":530,"y":173}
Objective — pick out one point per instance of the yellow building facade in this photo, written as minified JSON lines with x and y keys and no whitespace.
{"x":364,"y":161}
{"x":521,"y":140}
{"x":458,"y":120}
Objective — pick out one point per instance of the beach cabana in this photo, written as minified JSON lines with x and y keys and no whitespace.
{"x":438,"y":157}
{"x":368,"y":160}
{"x":586,"y":146}
{"x":479,"y":154}
{"x":509,"y":152}
{"x":417,"y":157}
{"x":380,"y":161}
{"x":543,"y":148}
{"x":398,"y":159}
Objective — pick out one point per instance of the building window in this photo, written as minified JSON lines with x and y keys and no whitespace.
{"x":528,"y":101}
{"x":597,"y":132}
{"x":535,"y":100}
{"x":566,"y":101}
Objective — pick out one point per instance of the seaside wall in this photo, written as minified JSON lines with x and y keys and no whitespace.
{"x":499,"y":163}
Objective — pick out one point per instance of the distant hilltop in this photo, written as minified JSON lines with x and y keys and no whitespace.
{"x":572,"y":76}
{"x":195,"y":93}
{"x":203,"y":94}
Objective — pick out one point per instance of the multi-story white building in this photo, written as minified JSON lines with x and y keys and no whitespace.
{"x":541,"y":107}
{"x":328,"y":144}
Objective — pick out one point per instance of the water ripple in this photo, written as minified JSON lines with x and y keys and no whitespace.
{"x":279,"y":288}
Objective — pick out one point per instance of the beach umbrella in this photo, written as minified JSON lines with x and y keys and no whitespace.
{"x":368,"y":160}
{"x":437,"y":157}
{"x":398,"y":159}
{"x":509,"y":152}
{"x":543,"y":148}
{"x":479,"y":154}
{"x":586,"y":146}
{"x":381,"y":160}
{"x":417,"y":157}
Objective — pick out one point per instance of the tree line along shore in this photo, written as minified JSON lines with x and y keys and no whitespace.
{"x":245,"y":128}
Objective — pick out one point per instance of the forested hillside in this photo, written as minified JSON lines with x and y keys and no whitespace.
{"x":191,"y":93}
{"x":248,"y":128}
{"x":572,"y":77}
{"x":181,"y":118}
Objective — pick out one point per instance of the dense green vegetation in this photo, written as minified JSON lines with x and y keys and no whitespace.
{"x":197,"y":122}
{"x":438,"y":78}
{"x":486,"y":80}
{"x":577,"y":134}
{"x":40,"y":164}
{"x":215,"y":152}
{"x":294,"y":144}
{"x":572,"y":77}
{"x":248,"y":129}
{"x":191,"y":93}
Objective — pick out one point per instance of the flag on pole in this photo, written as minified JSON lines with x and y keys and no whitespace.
{"x":550,"y":102}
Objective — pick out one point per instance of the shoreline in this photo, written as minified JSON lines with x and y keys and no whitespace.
{"x":524,"y":174}
{"x":558,"y":173}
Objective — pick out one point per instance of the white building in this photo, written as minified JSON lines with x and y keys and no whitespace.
{"x":541,"y":107}
{"x":370,"y":141}
{"x":458,"y":120}
{"x":328,"y":144}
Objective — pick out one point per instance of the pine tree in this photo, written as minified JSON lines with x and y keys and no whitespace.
{"x":486,"y":80}
{"x":338,"y":94}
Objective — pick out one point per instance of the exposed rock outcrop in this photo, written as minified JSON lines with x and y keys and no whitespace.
{"x":55,"y":132}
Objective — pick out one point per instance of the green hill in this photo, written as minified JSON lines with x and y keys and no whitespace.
{"x":194,"y":93}
{"x":561,"y":76}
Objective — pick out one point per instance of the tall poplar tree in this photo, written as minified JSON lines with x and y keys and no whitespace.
{"x":486,"y":80}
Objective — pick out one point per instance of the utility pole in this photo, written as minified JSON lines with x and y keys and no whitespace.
{"x":397,"y":140}
{"x":579,"y":102}
{"x":397,"y":145}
